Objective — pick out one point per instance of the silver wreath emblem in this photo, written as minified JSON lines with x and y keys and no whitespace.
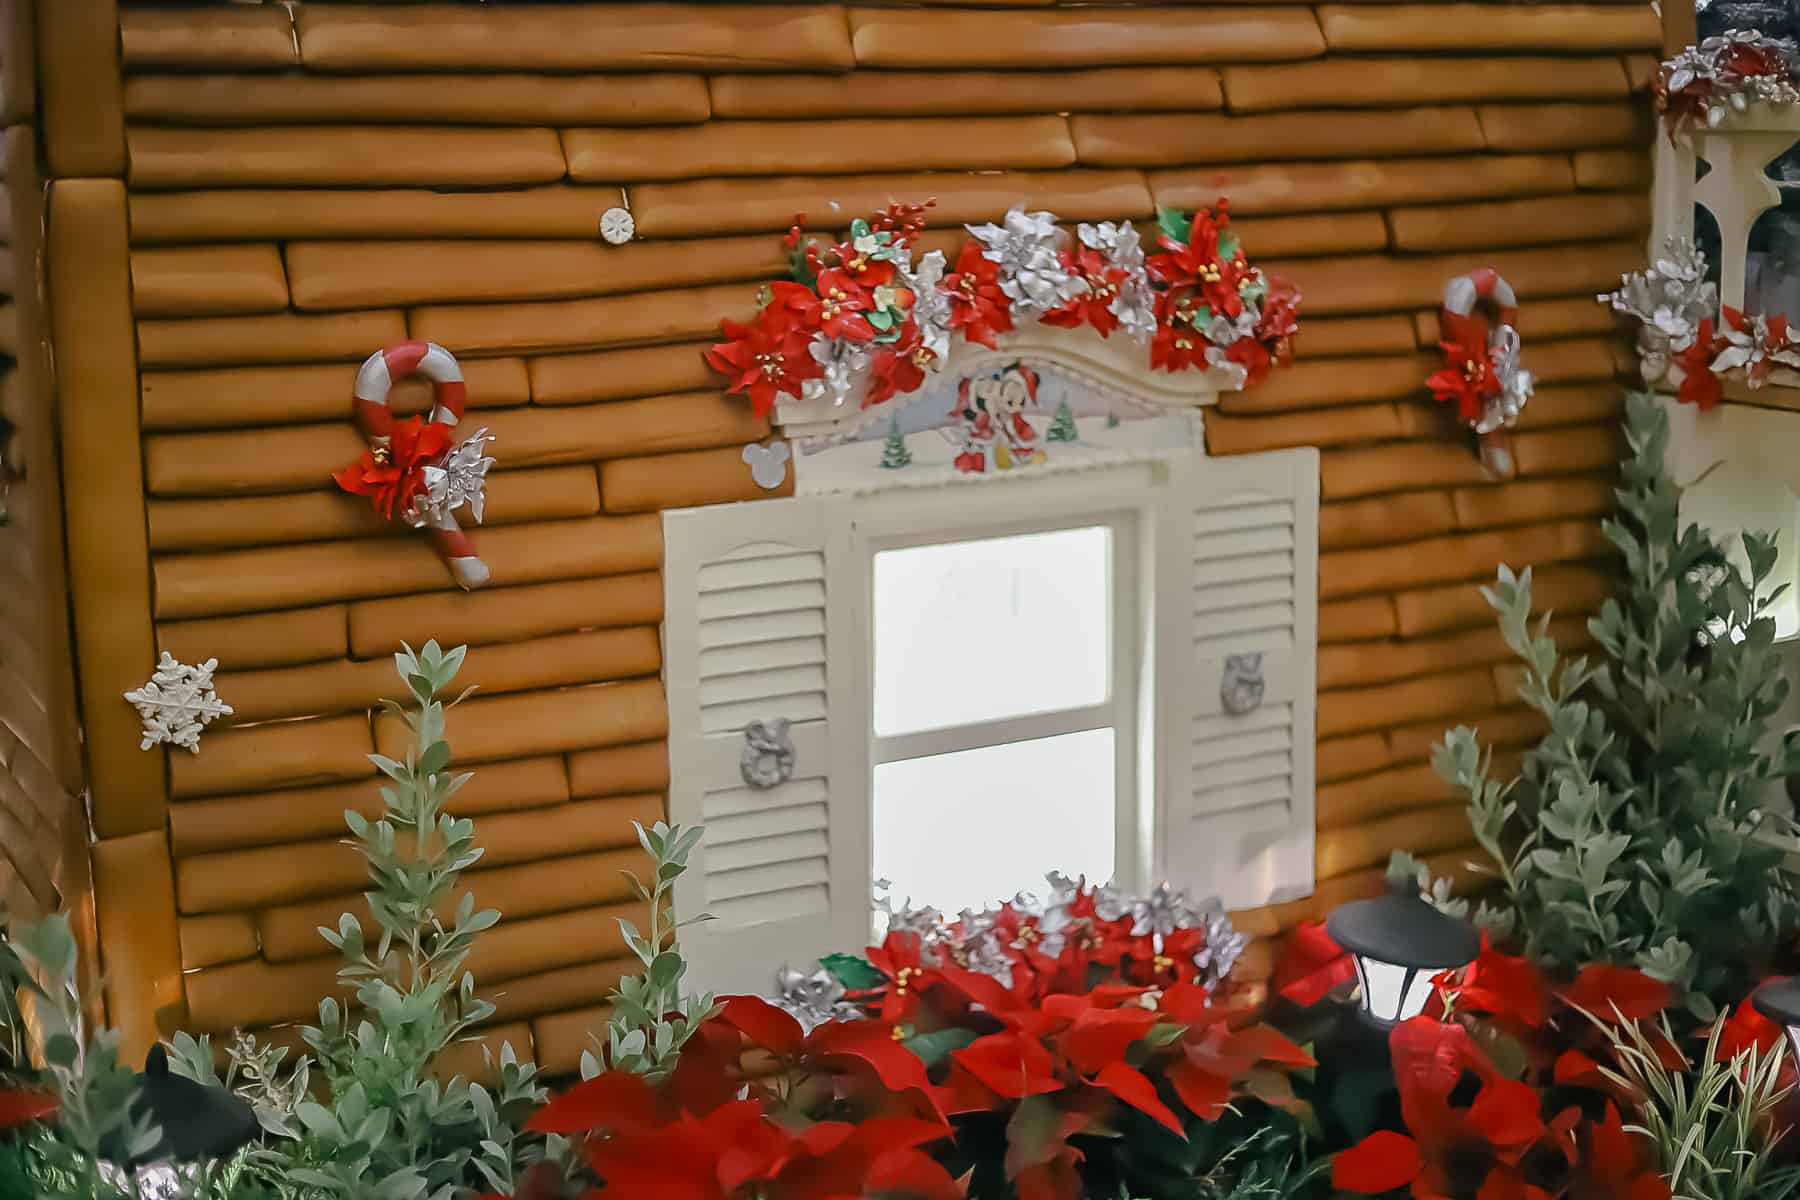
{"x":768,"y":756}
{"x":1241,"y":685}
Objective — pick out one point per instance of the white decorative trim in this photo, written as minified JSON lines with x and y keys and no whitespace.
{"x":854,"y":469}
{"x":1114,"y":367}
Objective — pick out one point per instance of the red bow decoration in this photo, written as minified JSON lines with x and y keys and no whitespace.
{"x":394,"y":475}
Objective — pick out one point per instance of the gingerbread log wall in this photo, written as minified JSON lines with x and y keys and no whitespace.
{"x":293,"y":188}
{"x":43,"y":844}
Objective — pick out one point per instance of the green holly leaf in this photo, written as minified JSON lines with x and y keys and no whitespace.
{"x":1229,"y":245}
{"x":1174,"y":223}
{"x":854,"y":972}
{"x":934,"y":1048}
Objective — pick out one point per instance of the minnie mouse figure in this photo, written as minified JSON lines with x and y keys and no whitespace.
{"x":991,"y":414}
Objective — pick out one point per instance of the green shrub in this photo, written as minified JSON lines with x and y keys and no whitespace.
{"x":1635,"y":832}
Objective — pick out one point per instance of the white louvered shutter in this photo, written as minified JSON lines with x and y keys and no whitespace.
{"x":755,"y":629}
{"x":1236,"y":811}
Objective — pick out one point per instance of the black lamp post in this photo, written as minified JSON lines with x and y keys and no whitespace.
{"x":196,"y":1122}
{"x":1779,"y":1000}
{"x":1399,"y":943}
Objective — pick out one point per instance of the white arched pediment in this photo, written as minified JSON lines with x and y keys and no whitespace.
{"x":1118,"y":407}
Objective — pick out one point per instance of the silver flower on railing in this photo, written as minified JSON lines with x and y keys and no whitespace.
{"x":1224,"y":944}
{"x":1233,"y":376}
{"x":460,"y":479}
{"x":1135,"y":305}
{"x":1516,"y":384}
{"x":844,"y":362}
{"x":813,"y":1000}
{"x":1161,"y":913}
{"x":931,"y":304}
{"x":1032,"y":273}
{"x":1670,"y":299}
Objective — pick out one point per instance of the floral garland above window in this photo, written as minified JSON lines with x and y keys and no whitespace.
{"x":862,"y":320}
{"x":1681,"y":343}
{"x":1705,"y":84}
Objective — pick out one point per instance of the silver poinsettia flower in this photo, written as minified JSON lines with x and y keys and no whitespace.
{"x":931,"y":306}
{"x":1224,"y":945}
{"x":1516,"y":384}
{"x":456,"y":481}
{"x":1236,"y":374}
{"x":1135,"y":305}
{"x":812,"y":999}
{"x":844,"y":362}
{"x":1223,"y":330}
{"x":1032,"y":274}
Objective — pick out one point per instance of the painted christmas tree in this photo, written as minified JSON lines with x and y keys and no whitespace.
{"x":1062,"y":427}
{"x":894,"y":453}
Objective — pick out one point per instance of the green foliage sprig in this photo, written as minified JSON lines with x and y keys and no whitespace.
{"x":651,"y":1016}
{"x":1635,"y":831}
{"x":387,"y":1129}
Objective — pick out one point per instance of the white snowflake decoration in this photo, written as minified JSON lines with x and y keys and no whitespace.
{"x":177,"y":703}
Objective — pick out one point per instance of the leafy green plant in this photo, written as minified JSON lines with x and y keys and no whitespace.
{"x":387,"y":1129}
{"x":1634,"y":831}
{"x":1711,"y":1125}
{"x":651,"y":1017}
{"x":93,"y":1089}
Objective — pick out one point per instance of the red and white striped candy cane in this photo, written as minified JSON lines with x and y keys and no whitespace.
{"x":1481,"y":313}
{"x":449,"y":396}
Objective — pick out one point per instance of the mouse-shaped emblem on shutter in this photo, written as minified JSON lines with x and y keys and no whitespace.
{"x":1241,"y":685}
{"x":768,"y":757}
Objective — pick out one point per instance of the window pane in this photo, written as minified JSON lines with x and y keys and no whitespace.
{"x":1003,"y":627}
{"x":968,"y":829}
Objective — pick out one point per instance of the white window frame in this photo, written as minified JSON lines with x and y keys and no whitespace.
{"x":1187,"y":812}
{"x":1122,"y":501}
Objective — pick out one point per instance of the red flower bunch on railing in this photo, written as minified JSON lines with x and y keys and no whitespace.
{"x":1704,"y":84}
{"x":862,"y":320}
{"x":1212,"y":306}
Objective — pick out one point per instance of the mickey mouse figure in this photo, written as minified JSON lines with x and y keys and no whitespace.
{"x":991,"y":413}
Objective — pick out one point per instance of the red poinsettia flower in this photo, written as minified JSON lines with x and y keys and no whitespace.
{"x":1699,"y":386}
{"x":898,"y":368}
{"x":1094,"y":306}
{"x":1280,"y":319}
{"x":843,"y":305}
{"x":1747,"y":1029}
{"x":18,"y":1107}
{"x":898,"y":957}
{"x":1454,"y":1150}
{"x":868,"y":273}
{"x":392,"y":477}
{"x":835,"y":1043}
{"x":1312,"y":965}
{"x":978,"y":306}
{"x":1612,"y":993}
{"x":1199,"y":267}
{"x":1504,"y":986}
{"x":1615,"y":1167}
{"x":1468,"y":380}
{"x":1176,"y":345}
{"x":770,"y":356}
{"x":1253,"y":356}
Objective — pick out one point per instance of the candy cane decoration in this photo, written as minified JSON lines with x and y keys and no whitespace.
{"x":1477,"y":325}
{"x":411,"y":472}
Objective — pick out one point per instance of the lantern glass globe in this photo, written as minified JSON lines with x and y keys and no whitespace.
{"x":1400,"y":944}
